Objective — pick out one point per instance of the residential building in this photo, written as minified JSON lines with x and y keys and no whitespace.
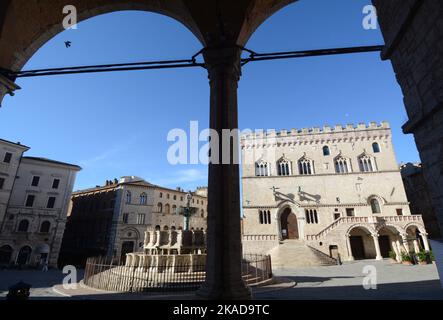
{"x":35,"y":194}
{"x":112,"y":219}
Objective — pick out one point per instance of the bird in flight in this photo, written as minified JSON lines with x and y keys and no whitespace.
{"x":67,"y":44}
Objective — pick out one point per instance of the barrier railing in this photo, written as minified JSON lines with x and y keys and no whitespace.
{"x":113,"y":275}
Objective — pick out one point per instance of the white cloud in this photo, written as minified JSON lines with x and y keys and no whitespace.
{"x":105,"y":158}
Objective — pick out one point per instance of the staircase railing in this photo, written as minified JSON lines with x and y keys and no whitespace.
{"x":370,"y":219}
{"x":335,"y":224}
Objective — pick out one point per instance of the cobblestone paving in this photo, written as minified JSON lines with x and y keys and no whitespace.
{"x":394,"y":281}
{"x":42,"y":282}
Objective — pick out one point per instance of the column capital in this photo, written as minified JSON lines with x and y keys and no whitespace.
{"x":226,"y":60}
{"x":7,"y":86}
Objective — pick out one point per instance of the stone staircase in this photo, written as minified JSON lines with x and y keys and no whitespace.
{"x":295,"y":253}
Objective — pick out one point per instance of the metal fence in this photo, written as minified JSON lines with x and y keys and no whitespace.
{"x":113,"y":275}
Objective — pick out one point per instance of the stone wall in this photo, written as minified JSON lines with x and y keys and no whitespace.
{"x":413,"y":32}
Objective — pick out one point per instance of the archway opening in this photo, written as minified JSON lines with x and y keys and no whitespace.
{"x":388,"y":237}
{"x":289,"y":225}
{"x":415,"y":241}
{"x":127,"y":247}
{"x":24,"y":256}
{"x":362,"y":244}
{"x":5,"y":254}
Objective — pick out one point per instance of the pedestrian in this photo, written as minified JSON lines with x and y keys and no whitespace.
{"x":45,"y":266}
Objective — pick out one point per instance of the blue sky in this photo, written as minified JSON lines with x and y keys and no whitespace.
{"x":116,"y":124}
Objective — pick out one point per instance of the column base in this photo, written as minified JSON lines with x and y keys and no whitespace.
{"x":235,"y":291}
{"x":379,"y":258}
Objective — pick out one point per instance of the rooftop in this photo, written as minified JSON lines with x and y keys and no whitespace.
{"x":53,"y":162}
{"x":317,"y":130}
{"x":15,"y":143}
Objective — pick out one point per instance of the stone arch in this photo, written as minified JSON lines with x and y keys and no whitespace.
{"x":397,"y":228}
{"x":420,"y":227}
{"x":279,"y":215}
{"x":24,"y":255}
{"x":48,"y":17}
{"x":362,"y":226}
{"x":388,"y":237}
{"x":375,"y":196}
{"x":134,"y":231}
{"x":361,"y":243}
{"x":201,"y":18}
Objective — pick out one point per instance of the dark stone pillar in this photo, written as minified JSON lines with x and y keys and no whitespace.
{"x":413,"y":33}
{"x":224,"y":251}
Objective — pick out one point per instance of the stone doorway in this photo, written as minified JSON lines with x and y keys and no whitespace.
{"x":385,"y":246}
{"x":358,"y":248}
{"x":24,"y":256}
{"x":127,"y":247}
{"x":289,"y":225}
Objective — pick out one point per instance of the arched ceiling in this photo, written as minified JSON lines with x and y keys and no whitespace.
{"x":25,"y":25}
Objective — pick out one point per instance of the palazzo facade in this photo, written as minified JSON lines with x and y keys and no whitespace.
{"x":337,"y":190}
{"x":112,"y":219}
{"x":34,"y":199}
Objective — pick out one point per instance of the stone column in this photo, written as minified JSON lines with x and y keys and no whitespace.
{"x":377,"y":247}
{"x":405,"y":242}
{"x":424,"y":237}
{"x":416,"y":247}
{"x":223,"y":264}
{"x":348,"y":244}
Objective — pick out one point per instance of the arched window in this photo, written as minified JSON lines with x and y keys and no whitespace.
{"x":284,"y":167}
{"x":311,"y":216}
{"x":202,"y":213}
{"x":261,"y":217}
{"x":173,"y":228}
{"x":174,"y":209}
{"x":375,"y":206}
{"x":45,"y":226}
{"x":167,"y":208}
{"x":366,"y":163}
{"x":376,"y":147}
{"x":128,"y":197}
{"x":326,"y":151}
{"x":143,"y":198}
{"x":159,"y":207}
{"x":262,"y":169}
{"x":157,"y":228}
{"x":23,"y":226}
{"x":165,"y":228}
{"x":305,"y":166}
{"x":269,"y":217}
{"x":341,"y":165}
